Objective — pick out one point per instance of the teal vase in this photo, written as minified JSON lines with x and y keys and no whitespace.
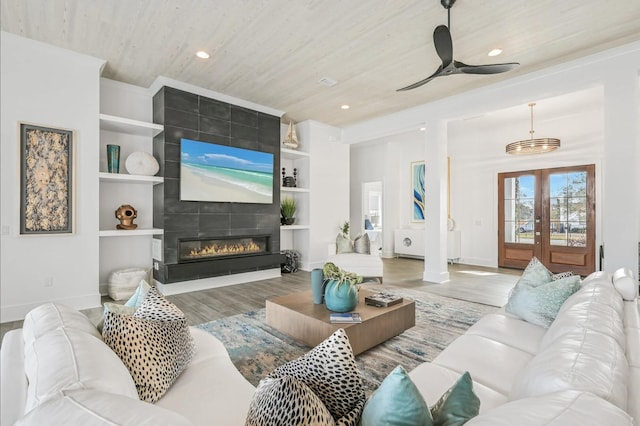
{"x":113,"y":158}
{"x":317,"y":286}
{"x":340,"y":298}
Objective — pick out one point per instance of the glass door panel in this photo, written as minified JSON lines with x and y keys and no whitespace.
{"x":519,"y":207}
{"x":568,"y":209}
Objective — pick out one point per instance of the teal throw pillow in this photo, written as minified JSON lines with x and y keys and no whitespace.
{"x":396,"y":402}
{"x":535,"y":274}
{"x":141,"y":292}
{"x":458,"y":405}
{"x":343,"y":244}
{"x":540,"y":305}
{"x":130,"y":305}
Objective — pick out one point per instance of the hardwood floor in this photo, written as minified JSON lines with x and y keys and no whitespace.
{"x":477,"y":284}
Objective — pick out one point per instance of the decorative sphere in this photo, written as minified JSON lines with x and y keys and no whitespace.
{"x":142,"y":163}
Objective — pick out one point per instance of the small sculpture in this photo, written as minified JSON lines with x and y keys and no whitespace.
{"x":142,"y":163}
{"x":289,"y":181}
{"x":291,"y":141}
{"x":125,"y":214}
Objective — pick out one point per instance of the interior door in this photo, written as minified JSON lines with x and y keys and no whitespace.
{"x":550,"y":214}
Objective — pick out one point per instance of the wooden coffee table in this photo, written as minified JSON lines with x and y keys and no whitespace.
{"x":297,"y":316}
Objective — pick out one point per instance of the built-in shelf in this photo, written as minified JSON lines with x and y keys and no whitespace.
{"x":127,"y":125}
{"x":125,"y":178}
{"x":129,"y":232}
{"x":292,"y":154}
{"x":293,"y":189}
{"x":293,"y":227}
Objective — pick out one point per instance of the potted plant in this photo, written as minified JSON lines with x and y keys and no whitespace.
{"x":288,"y":211}
{"x":341,"y":288}
{"x":344,"y":229}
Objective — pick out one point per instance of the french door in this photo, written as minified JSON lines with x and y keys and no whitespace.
{"x":549,"y":214}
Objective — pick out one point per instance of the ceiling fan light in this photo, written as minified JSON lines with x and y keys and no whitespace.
{"x":494,"y":52}
{"x":532,"y":146}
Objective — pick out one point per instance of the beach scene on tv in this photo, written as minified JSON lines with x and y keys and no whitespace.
{"x":211,"y":172}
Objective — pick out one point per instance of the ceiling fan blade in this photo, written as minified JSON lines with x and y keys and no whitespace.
{"x":443,"y":44}
{"x":484,"y":69}
{"x":422,"y":82}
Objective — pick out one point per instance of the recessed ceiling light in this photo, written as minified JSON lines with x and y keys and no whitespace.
{"x":345,"y":106}
{"x":202,"y":54}
{"x":495,"y":52}
{"x":422,"y":129}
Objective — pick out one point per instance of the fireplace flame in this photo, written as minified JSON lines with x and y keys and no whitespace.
{"x":224,"y":249}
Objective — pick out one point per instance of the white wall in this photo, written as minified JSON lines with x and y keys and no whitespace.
{"x":387,"y":160}
{"x":49,"y":86}
{"x":329,"y":183}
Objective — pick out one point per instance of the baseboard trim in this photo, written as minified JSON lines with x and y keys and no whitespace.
{"x":435,"y":277}
{"x":18,"y":312}
{"x":478,"y":261}
{"x":215,"y":282}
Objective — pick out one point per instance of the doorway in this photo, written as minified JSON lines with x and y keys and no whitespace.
{"x":372,"y":212}
{"x":549,"y":214}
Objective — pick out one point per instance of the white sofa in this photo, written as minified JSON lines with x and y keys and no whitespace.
{"x":63,"y":349}
{"x":583,"y":370}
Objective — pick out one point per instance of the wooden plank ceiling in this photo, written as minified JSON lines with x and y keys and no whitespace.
{"x":273,"y":52}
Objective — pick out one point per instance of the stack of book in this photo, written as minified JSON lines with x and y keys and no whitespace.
{"x":382,"y":300}
{"x":345,"y":318}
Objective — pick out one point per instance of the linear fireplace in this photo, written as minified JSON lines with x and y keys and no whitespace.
{"x":216,"y":247}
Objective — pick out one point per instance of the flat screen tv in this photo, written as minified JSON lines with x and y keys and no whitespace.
{"x":220,"y":173}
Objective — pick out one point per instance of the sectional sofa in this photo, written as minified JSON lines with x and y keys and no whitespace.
{"x":584,"y":369}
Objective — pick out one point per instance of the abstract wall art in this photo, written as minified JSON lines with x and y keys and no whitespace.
{"x":46,"y":180}
{"x":417,"y":186}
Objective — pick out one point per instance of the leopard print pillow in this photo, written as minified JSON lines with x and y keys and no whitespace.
{"x":561,"y":275}
{"x":286,"y":401}
{"x":330,"y":371}
{"x":154,"y":343}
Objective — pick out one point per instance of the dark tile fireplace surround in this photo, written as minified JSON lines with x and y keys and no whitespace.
{"x":207,"y":227}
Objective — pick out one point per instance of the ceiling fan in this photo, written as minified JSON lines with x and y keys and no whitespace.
{"x":444,"y":48}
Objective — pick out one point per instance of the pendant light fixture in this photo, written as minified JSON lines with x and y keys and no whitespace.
{"x":533,"y":146}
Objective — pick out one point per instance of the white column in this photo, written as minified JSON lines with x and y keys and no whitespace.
{"x":621,"y":170}
{"x":435,"y":238}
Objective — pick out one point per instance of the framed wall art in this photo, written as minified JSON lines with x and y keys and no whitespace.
{"x":417,"y":186}
{"x":46,"y":180}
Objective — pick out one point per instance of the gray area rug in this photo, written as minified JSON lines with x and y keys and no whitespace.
{"x":257,"y":349}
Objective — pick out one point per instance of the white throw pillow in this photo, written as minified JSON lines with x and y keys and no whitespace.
{"x":362,"y":244}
